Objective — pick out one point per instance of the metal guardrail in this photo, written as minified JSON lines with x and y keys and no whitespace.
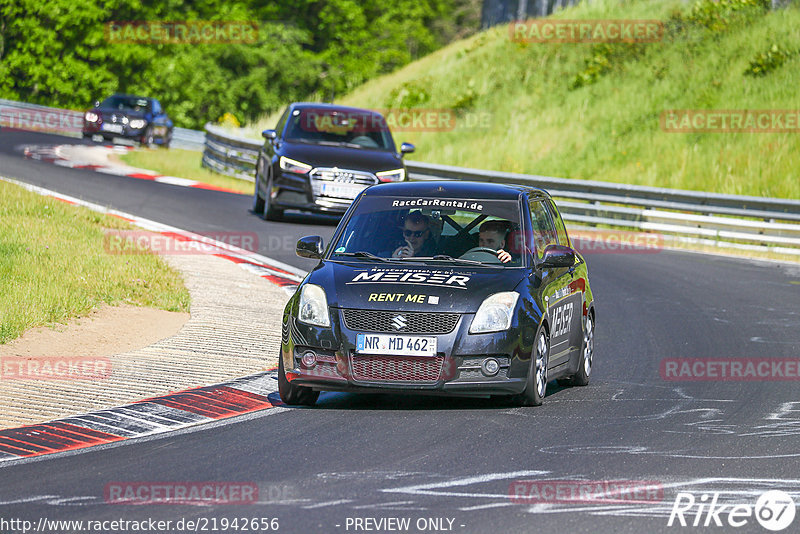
{"x":67,"y":122}
{"x":229,"y":154}
{"x":735,"y":221}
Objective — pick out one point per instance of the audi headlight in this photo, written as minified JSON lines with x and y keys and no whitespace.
{"x":91,"y":117}
{"x":495,"y":313}
{"x":314,"y":306}
{"x":294,"y":166}
{"x":138,"y":123}
{"x":396,"y":175}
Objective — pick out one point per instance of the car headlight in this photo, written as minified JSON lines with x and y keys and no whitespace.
{"x":314,"y":306}
{"x":294,"y":166}
{"x":495,"y":313}
{"x":91,"y":117}
{"x":138,"y":123}
{"x":396,"y":175}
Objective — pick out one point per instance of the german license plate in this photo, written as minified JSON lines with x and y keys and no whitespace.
{"x":341,"y":190}
{"x":113,"y":128}
{"x":392,"y":345}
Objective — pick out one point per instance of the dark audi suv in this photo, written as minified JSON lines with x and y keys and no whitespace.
{"x":321,"y":156}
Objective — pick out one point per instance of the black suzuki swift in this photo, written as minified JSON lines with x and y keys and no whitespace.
{"x":452,"y":288}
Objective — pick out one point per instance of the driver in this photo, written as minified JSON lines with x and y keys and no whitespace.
{"x":493,"y":234}
{"x":418,"y":236}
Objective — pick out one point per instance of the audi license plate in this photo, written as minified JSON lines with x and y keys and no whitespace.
{"x":392,"y":345}
{"x":341,"y":190}
{"x":114,"y":128}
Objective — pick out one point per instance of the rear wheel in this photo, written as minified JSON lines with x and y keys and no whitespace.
{"x":536,"y":386}
{"x":291,"y":394}
{"x":581,"y":378}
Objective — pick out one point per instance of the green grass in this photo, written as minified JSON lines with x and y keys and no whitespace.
{"x":183,"y":164}
{"x":532,"y":121}
{"x":53,"y":265}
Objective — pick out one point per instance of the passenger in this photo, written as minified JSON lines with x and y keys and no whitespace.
{"x":418,"y":236}
{"x":493,"y":235}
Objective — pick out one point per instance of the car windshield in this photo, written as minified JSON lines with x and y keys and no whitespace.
{"x":354,"y":129}
{"x":126,"y":103}
{"x":433,"y":230}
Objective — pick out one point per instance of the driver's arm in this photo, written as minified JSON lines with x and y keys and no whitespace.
{"x":503,"y":256}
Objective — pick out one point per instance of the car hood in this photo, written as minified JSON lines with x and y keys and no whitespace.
{"x":442,"y":287}
{"x":108,"y":112}
{"x":359,"y":159}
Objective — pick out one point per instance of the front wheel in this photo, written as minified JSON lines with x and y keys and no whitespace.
{"x":536,"y":386}
{"x":271,"y":213}
{"x":291,"y":394}
{"x":147,"y":138}
{"x":258,"y":201}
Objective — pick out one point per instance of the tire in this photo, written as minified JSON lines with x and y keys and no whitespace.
{"x":147,"y":138}
{"x":581,"y":378}
{"x":258,"y":202}
{"x":536,"y":386}
{"x":271,"y":213}
{"x":291,"y":394}
{"x":167,"y":140}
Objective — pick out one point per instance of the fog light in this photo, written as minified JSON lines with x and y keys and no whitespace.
{"x":309,"y":359}
{"x":490,"y":367}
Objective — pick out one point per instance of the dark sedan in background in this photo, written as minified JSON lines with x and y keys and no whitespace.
{"x":321,"y":156}
{"x":137,"y":118}
{"x":452,"y":288}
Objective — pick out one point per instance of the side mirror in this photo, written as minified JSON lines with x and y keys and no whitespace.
{"x":310,"y":247}
{"x":558,"y":256}
{"x":269,"y":134}
{"x":407,"y":148}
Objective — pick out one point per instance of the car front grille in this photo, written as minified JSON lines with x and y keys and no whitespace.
{"x":344,"y":180}
{"x":396,"y":368}
{"x":416,"y":322}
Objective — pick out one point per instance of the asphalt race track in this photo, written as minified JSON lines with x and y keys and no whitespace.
{"x":447,"y":465}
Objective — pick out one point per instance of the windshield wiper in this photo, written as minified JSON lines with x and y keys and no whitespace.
{"x":362,"y":254}
{"x":444,"y":257}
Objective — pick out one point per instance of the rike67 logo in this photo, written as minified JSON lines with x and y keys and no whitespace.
{"x":774,"y":510}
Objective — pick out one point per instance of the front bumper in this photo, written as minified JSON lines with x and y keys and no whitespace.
{"x":96,"y":128}
{"x":304,"y":191}
{"x":455,"y":370}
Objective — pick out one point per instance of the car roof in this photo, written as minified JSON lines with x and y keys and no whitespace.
{"x":331,"y":107}
{"x":456,"y":189}
{"x":133,"y":96}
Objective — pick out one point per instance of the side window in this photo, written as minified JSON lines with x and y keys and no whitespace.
{"x":543,"y":232}
{"x":282,"y":123}
{"x":561,"y":230}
